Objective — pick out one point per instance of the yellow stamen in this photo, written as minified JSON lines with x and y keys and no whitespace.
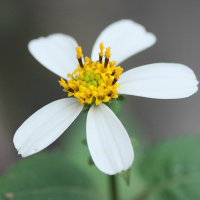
{"x":107,"y":56}
{"x":79,"y":55}
{"x":101,"y":49}
{"x":118,"y":71}
{"x":79,"y":52}
{"x":87,"y":59}
{"x":63,"y":83}
{"x":107,"y":53}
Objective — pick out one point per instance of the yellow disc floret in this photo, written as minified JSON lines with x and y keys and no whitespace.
{"x":93,"y":82}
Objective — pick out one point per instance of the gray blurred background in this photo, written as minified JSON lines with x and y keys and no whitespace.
{"x":26,"y":86}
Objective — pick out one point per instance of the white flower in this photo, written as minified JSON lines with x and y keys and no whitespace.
{"x":107,"y":139}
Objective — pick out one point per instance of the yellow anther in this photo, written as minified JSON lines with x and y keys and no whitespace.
{"x":79,"y":52}
{"x":101,"y":49}
{"x":63,"y":83}
{"x":107,"y":53}
{"x":87,"y":59}
{"x":118,"y":71}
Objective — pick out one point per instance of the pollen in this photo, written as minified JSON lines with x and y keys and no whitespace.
{"x":79,"y":52}
{"x":93,"y":81}
{"x":107,"y":53}
{"x":101,"y":49}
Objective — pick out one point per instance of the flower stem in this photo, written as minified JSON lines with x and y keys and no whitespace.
{"x":113,"y":187}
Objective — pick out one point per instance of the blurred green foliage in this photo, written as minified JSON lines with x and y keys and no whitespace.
{"x":47,"y":176}
{"x":172,"y":169}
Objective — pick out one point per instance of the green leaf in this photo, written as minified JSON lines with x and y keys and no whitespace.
{"x":84,"y":142}
{"x":116,"y":106}
{"x":46,"y":177}
{"x":126,"y":176}
{"x":90,"y":161}
{"x":172,"y":169}
{"x":134,"y":142}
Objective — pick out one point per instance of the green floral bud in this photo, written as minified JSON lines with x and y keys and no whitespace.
{"x":87,"y":73}
{"x":91,"y":77}
{"x":94,"y":83}
{"x":88,"y":85}
{"x":86,"y":78}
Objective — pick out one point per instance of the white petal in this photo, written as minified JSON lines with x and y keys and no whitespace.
{"x":45,"y":126}
{"x":56,"y":52}
{"x":159,"y":81}
{"x":108,"y":142}
{"x":126,"y":38}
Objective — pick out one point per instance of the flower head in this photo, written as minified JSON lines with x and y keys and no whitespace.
{"x":94,"y":82}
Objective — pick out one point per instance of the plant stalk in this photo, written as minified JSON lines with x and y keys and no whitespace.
{"x":113,"y":188}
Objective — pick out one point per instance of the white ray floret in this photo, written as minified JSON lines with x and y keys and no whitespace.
{"x":159,"y":81}
{"x":126,"y":38}
{"x":45,"y":126}
{"x":56,"y":52}
{"x":108,"y":141}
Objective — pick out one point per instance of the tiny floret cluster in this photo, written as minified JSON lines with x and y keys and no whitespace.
{"x":93,"y":81}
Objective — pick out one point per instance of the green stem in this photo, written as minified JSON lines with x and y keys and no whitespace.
{"x":113,"y":187}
